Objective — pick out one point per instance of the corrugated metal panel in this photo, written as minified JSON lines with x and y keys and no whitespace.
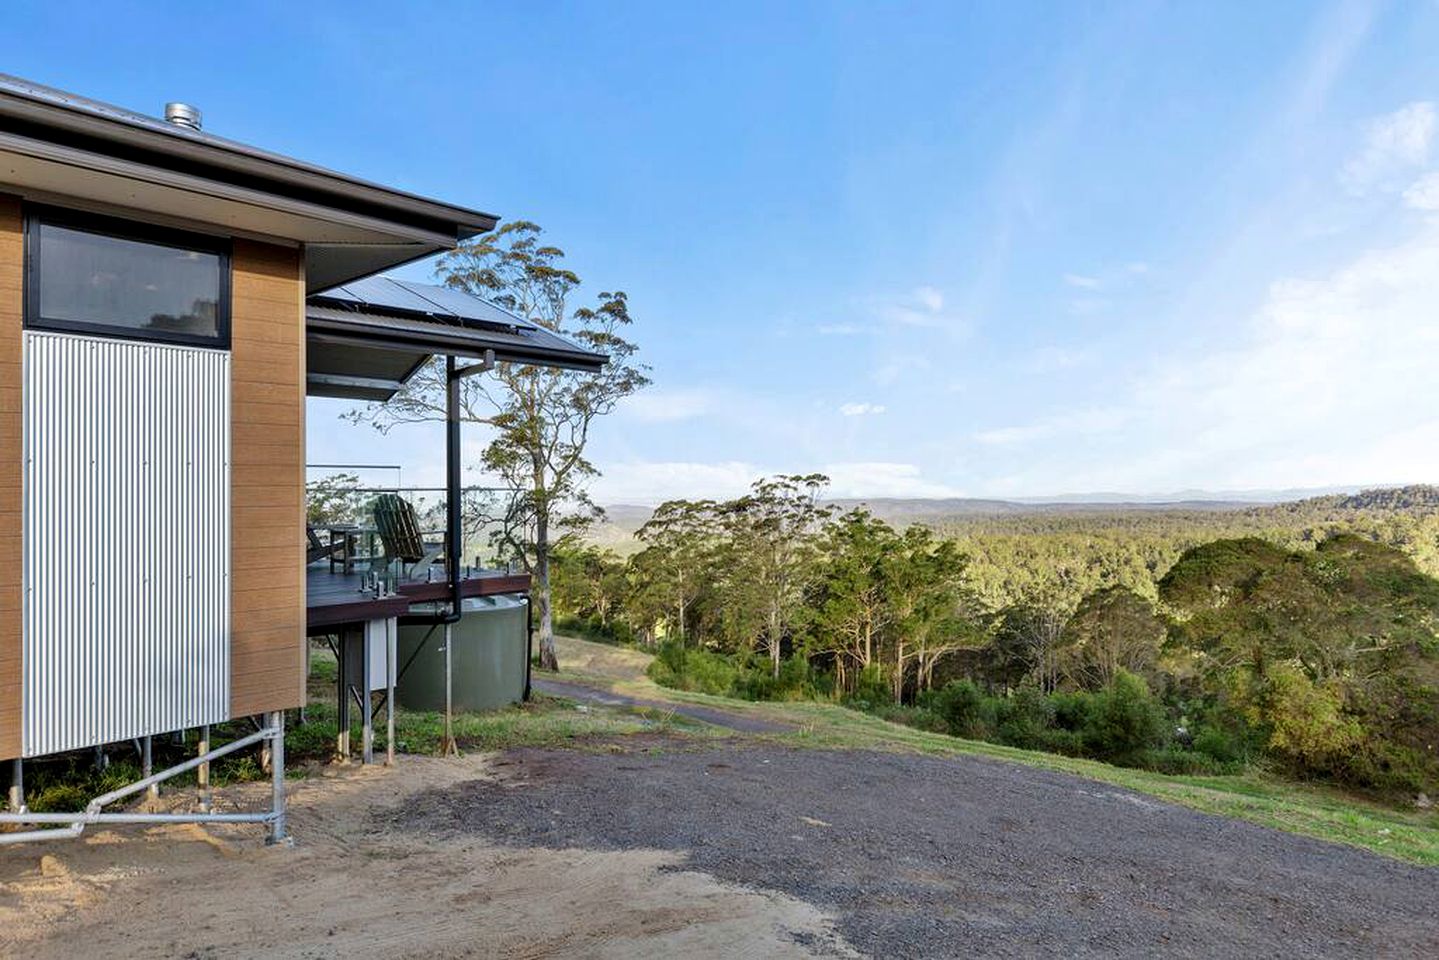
{"x":126,"y":540}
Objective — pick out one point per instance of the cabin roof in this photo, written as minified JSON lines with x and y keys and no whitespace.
{"x":56,"y":145}
{"x":367,"y":339}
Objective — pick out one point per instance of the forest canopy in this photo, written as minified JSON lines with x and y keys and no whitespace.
{"x":1301,"y":636}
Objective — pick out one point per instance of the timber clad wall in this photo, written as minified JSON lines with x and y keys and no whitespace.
{"x":11,"y":338}
{"x":267,"y":458}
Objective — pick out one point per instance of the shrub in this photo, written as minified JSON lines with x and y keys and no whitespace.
{"x":1124,"y":721}
{"x":921,"y":718}
{"x":1023,"y":719}
{"x":796,"y":681}
{"x":696,"y":670}
{"x":871,"y":689}
{"x":961,"y":705}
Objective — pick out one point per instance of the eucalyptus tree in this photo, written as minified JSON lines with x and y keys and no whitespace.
{"x":680,"y":541}
{"x":773,"y":538}
{"x":541,"y":417}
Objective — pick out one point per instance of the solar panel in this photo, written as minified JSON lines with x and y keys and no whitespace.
{"x":457,"y":303}
{"x":425,"y":300}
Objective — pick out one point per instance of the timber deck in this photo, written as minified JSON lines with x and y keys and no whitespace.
{"x":334,"y":599}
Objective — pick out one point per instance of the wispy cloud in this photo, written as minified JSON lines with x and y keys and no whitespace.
{"x":883,"y":479}
{"x":860,"y":409}
{"x":1055,"y":358}
{"x":1394,"y":145}
{"x":649,"y":482}
{"x":923,"y":308}
{"x":1330,"y":383}
{"x":1423,"y":194}
{"x":1081,"y":281}
{"x":843,"y":329}
{"x":1091,"y":422}
{"x":659,"y":405}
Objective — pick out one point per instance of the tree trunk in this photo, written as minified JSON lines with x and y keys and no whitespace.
{"x":899,"y":675}
{"x":774,"y":641}
{"x":549,"y":660}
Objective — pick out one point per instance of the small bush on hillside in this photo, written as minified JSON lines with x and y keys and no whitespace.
{"x":961,"y":704}
{"x":696,"y":670}
{"x":1124,"y":721}
{"x":1024,"y":719}
{"x":796,"y":681}
{"x":921,"y":718}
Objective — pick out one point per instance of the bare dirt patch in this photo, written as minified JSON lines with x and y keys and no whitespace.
{"x":355,"y":887}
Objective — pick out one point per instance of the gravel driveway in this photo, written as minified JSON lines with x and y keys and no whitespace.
{"x":920,"y":856}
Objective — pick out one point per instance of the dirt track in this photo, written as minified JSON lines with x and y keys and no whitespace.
{"x":956,"y":857}
{"x":719,"y":718}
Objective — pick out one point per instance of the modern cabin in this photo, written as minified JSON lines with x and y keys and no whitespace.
{"x":168,"y":298}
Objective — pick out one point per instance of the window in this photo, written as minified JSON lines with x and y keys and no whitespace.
{"x":120,"y":279}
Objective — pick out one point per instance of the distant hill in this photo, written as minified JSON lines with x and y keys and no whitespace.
{"x":950,"y":514}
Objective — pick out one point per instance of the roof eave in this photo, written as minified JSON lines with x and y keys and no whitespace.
{"x":191,"y":148}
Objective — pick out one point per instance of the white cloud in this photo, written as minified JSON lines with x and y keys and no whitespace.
{"x":860,"y":409}
{"x":648,"y":482}
{"x":897,"y":366}
{"x":1137,"y":267}
{"x":1055,"y":358}
{"x":882,"y":479}
{"x":930,"y":298}
{"x":923,"y":308}
{"x":842,"y":329}
{"x":654,"y":481}
{"x":1087,"y":423}
{"x":1423,"y":194}
{"x":1394,"y":144}
{"x":658,"y":405}
{"x":1332,"y":383}
{"x":1081,"y":281}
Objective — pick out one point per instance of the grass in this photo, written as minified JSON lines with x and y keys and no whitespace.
{"x":1321,"y":812}
{"x":68,"y":782}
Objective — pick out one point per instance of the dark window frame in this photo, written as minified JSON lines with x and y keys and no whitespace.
{"x":122,"y":229}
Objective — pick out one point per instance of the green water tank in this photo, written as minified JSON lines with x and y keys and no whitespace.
{"x":488,"y":663}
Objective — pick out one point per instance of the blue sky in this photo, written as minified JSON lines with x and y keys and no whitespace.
{"x":996,"y":249}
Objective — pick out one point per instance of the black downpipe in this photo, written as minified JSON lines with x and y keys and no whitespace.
{"x":529,"y":644}
{"x":452,"y":483}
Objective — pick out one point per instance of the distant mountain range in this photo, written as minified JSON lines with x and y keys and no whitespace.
{"x":622,"y":520}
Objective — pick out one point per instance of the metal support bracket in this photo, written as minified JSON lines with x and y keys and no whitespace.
{"x":70,"y":825}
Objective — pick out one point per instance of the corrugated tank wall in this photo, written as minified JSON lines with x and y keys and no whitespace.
{"x":126,"y":490}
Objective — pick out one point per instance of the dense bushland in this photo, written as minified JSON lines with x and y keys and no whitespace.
{"x":1312,"y":651}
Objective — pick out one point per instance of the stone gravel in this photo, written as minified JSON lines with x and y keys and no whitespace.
{"x":931,"y":857}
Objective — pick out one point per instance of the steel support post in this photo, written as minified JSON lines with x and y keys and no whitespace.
{"x":390,"y":692}
{"x":342,"y":703}
{"x":17,"y":786}
{"x":277,"y":774}
{"x":450,"y":748}
{"x":147,"y":766}
{"x":202,"y":772}
{"x":367,"y":706}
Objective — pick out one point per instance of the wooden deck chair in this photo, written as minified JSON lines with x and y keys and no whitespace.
{"x":315,"y":548}
{"x":400,"y":532}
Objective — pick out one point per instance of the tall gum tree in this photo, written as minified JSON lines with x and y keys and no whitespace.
{"x":540,"y":417}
